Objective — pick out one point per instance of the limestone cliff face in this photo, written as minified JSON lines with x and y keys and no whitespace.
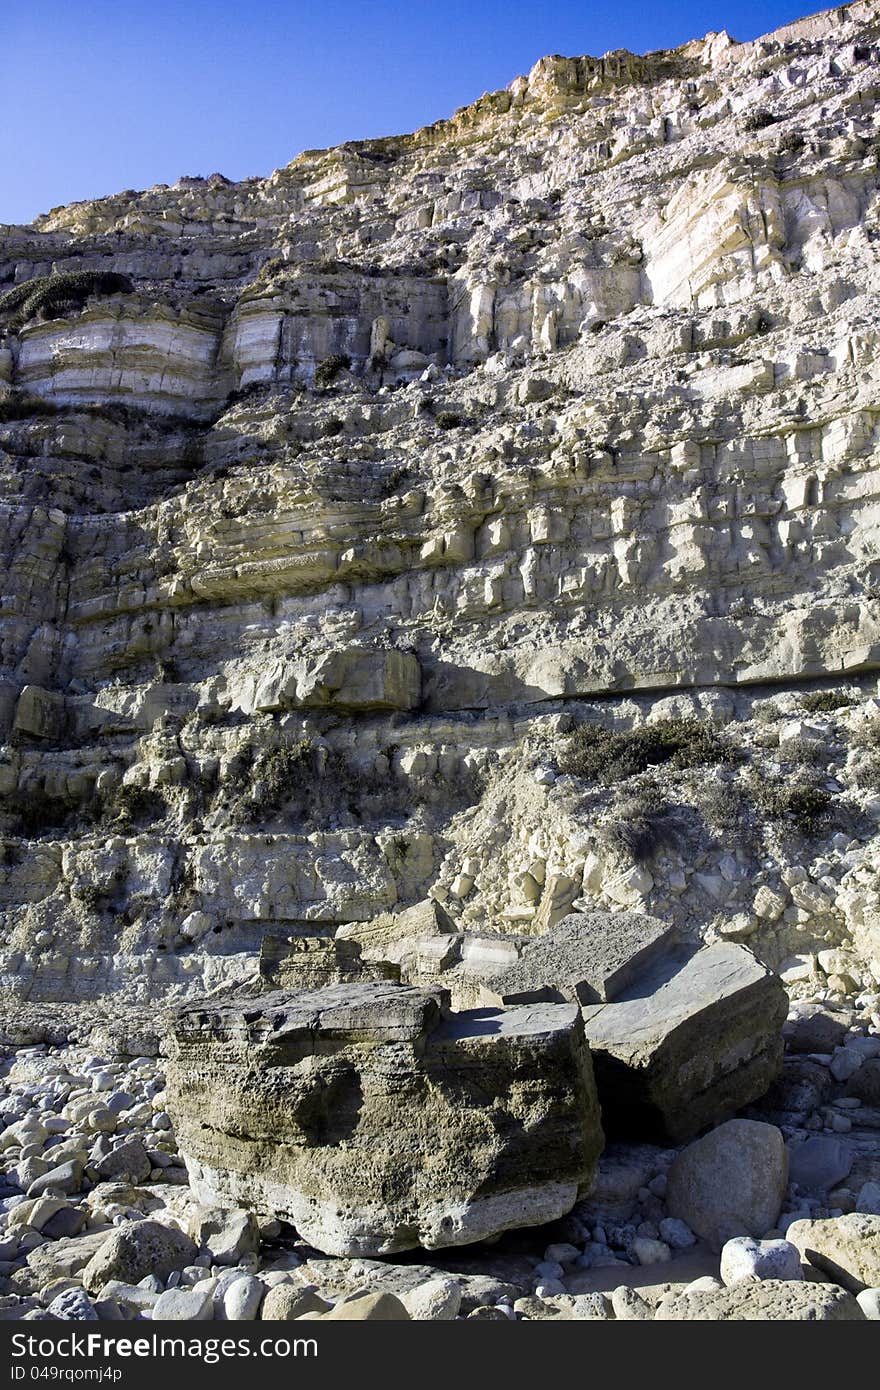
{"x":318,"y":538}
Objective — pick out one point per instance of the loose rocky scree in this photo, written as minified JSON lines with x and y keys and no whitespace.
{"x":99,"y":1219}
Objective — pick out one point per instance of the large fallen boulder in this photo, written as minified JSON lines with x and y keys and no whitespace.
{"x":682,"y":1036}
{"x":375,"y":1121}
{"x":695,"y":1038}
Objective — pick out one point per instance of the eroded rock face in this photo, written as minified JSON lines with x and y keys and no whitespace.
{"x":375,"y":1123}
{"x":681,"y":1038}
{"x":354,"y":488}
{"x":355,"y":679}
{"x":140,"y":353}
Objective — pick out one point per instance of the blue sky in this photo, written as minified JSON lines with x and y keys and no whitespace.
{"x":101,"y":95}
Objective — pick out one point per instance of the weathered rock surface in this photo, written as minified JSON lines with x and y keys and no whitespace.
{"x":128,"y":1162}
{"x":820,"y":1162}
{"x":60,"y":1259}
{"x":185,"y":1305}
{"x":770,"y":1301}
{"x":375,"y":1124}
{"x":748,"y":1261}
{"x":587,"y":957}
{"x":696,"y":1037}
{"x":228,"y":1235}
{"x":869,"y":1302}
{"x":731,"y":1182}
{"x":439,"y":1300}
{"x":365,"y":1307}
{"x":846,"y":1248}
{"x":136,"y":1249}
{"x":286,"y":1302}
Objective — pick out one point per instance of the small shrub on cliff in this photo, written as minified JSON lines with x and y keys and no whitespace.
{"x":868,"y":736}
{"x":257,"y":786}
{"x":791,"y":143}
{"x":605,"y":756}
{"x":273,"y":266}
{"x":18,"y":406}
{"x":250,"y":392}
{"x":39,"y":812}
{"x":128,"y":806}
{"x":721,"y":805}
{"x":727,"y":811}
{"x":239,"y":770}
{"x":868,"y":774}
{"x":448,"y":420}
{"x":803,"y":752}
{"x":327,"y":371}
{"x":759,"y":120}
{"x":866,"y":771}
{"x":804,"y":805}
{"x":54,"y":295}
{"x":89,"y":895}
{"x":644,"y":824}
{"x":826,"y":701}
{"x":279,"y":773}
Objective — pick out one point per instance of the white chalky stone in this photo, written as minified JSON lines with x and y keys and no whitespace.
{"x":744,"y":1260}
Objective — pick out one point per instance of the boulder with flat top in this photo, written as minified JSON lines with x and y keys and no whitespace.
{"x":375,"y":1120}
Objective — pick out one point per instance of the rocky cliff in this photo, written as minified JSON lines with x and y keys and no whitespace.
{"x":486,"y":515}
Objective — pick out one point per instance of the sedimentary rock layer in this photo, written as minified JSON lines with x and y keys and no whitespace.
{"x":375,"y":1124}
{"x":333,"y":502}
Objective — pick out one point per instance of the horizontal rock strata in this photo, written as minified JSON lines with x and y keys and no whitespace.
{"x":375,"y":1123}
{"x":334,"y":504}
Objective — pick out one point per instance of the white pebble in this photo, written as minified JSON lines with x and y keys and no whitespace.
{"x":747,"y":1261}
{"x":869,"y":1302}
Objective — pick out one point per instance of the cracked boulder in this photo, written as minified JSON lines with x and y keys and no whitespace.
{"x":377,"y":1121}
{"x":681,"y":1037}
{"x":694,"y":1039}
